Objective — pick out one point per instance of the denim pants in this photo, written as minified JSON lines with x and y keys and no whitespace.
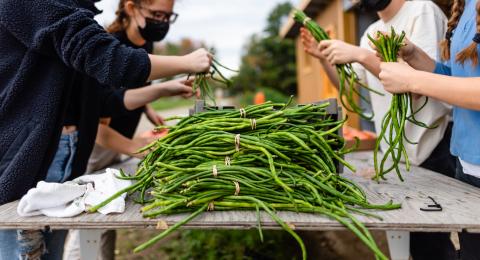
{"x":42,"y":244}
{"x":436,"y":245}
{"x":469,"y":242}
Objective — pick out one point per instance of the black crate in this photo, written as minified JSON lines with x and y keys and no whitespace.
{"x":333,"y":110}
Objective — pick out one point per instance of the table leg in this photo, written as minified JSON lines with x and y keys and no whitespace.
{"x":90,"y":244}
{"x":399,"y":244}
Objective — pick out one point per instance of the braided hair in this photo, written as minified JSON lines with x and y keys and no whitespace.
{"x":469,"y":53}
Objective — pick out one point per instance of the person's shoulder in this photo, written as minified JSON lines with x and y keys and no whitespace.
{"x":423,"y":7}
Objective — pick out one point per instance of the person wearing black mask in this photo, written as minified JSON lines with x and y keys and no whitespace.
{"x":50,"y":56}
{"x":424,"y":24}
{"x":138,"y":24}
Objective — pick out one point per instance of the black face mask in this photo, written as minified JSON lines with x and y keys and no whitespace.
{"x":154,"y":30}
{"x":374,"y":5}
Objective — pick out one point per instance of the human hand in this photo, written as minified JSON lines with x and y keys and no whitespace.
{"x":198,"y":61}
{"x":178,"y":87}
{"x":152,"y":116}
{"x":340,"y":52}
{"x":310,"y":45}
{"x":397,"y":77}
{"x":407,"y":51}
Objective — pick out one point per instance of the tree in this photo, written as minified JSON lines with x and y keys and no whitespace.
{"x":269,"y":60}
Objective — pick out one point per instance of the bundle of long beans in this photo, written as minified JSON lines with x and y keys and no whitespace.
{"x":264,"y":157}
{"x":347,"y":77}
{"x":401,"y":110}
{"x":201,"y":82}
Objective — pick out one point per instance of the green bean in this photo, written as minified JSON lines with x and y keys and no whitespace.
{"x":266,"y":157}
{"x":400,"y":111}
{"x":347,"y":77}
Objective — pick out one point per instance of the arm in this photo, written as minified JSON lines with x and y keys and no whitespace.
{"x":61,"y":30}
{"x":429,"y":28}
{"x":310,"y":45}
{"x":111,"y":139}
{"x":331,"y":52}
{"x":417,"y":58}
{"x":401,"y":78}
{"x":164,"y":66}
{"x":340,"y":52}
{"x":135,"y":98}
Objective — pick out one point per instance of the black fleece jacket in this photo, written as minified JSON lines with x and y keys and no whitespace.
{"x":43,"y":43}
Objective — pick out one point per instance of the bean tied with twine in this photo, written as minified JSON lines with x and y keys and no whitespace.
{"x":269,"y":157}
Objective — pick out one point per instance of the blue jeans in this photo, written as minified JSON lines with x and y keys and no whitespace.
{"x":45,"y":245}
{"x":61,"y":167}
{"x":32,"y":244}
{"x":469,"y":242}
{"x":436,"y":245}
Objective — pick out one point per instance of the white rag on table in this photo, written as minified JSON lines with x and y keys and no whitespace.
{"x":69,"y":199}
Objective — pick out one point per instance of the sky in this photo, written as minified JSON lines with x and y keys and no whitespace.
{"x":225,"y":24}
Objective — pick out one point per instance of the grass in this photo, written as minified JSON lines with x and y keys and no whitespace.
{"x":173,"y":102}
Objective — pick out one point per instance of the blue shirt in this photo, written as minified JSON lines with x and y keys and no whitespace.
{"x":465,"y":141}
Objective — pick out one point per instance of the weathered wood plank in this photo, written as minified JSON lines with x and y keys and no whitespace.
{"x":459,"y":200}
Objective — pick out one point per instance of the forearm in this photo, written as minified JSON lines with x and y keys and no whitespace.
{"x":461,"y":92}
{"x":136,"y":98}
{"x":111,"y":139}
{"x":369,"y":61}
{"x":420,"y":60}
{"x":364,"y":57}
{"x":331,"y":71}
{"x":166,"y":66}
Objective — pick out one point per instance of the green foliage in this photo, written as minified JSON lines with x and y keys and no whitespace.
{"x":171,"y":103}
{"x":231,"y":245}
{"x":269,"y":60}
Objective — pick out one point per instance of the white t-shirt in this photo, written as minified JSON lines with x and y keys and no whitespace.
{"x":425,"y":25}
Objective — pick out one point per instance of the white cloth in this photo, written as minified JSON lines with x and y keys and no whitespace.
{"x":71,"y":198}
{"x":470,"y":169}
{"x":425,"y":25}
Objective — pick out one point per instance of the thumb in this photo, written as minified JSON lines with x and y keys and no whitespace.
{"x":186,"y":88}
{"x":324,"y":44}
{"x":188,"y":82}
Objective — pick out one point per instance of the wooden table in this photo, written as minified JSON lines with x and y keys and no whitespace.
{"x":460,"y":204}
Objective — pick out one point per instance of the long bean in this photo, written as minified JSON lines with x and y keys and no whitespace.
{"x":265,"y":157}
{"x":401,"y":110}
{"x":347,"y":77}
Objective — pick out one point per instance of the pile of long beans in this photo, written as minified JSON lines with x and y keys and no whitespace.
{"x":347,"y":77}
{"x":401,"y":110}
{"x":201,"y":81}
{"x":268,"y":157}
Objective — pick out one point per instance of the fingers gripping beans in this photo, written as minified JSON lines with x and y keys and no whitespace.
{"x":201,"y":81}
{"x":348,"y":79}
{"x":401,"y":110}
